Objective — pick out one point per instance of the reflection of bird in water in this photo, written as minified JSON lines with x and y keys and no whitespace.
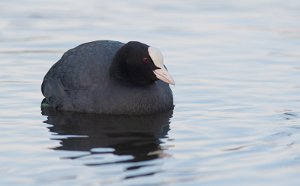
{"x":137,"y":136}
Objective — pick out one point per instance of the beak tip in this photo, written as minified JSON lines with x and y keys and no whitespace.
{"x":163,"y":74}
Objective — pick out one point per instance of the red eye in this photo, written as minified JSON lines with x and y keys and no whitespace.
{"x":146,"y":60}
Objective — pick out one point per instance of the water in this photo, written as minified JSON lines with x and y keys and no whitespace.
{"x":236,"y":121}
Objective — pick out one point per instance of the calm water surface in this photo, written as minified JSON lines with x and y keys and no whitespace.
{"x":237,"y":117}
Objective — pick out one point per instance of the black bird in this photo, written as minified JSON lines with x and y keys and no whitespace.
{"x":109,"y":77}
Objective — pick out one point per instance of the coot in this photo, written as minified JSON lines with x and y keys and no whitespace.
{"x":109,"y":77}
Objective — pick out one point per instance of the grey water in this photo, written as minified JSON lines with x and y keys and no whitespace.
{"x":236,"y":120}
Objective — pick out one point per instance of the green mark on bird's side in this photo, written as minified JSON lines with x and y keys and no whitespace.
{"x":44,"y":104}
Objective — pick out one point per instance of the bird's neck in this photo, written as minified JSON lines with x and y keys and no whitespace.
{"x":119,"y":73}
